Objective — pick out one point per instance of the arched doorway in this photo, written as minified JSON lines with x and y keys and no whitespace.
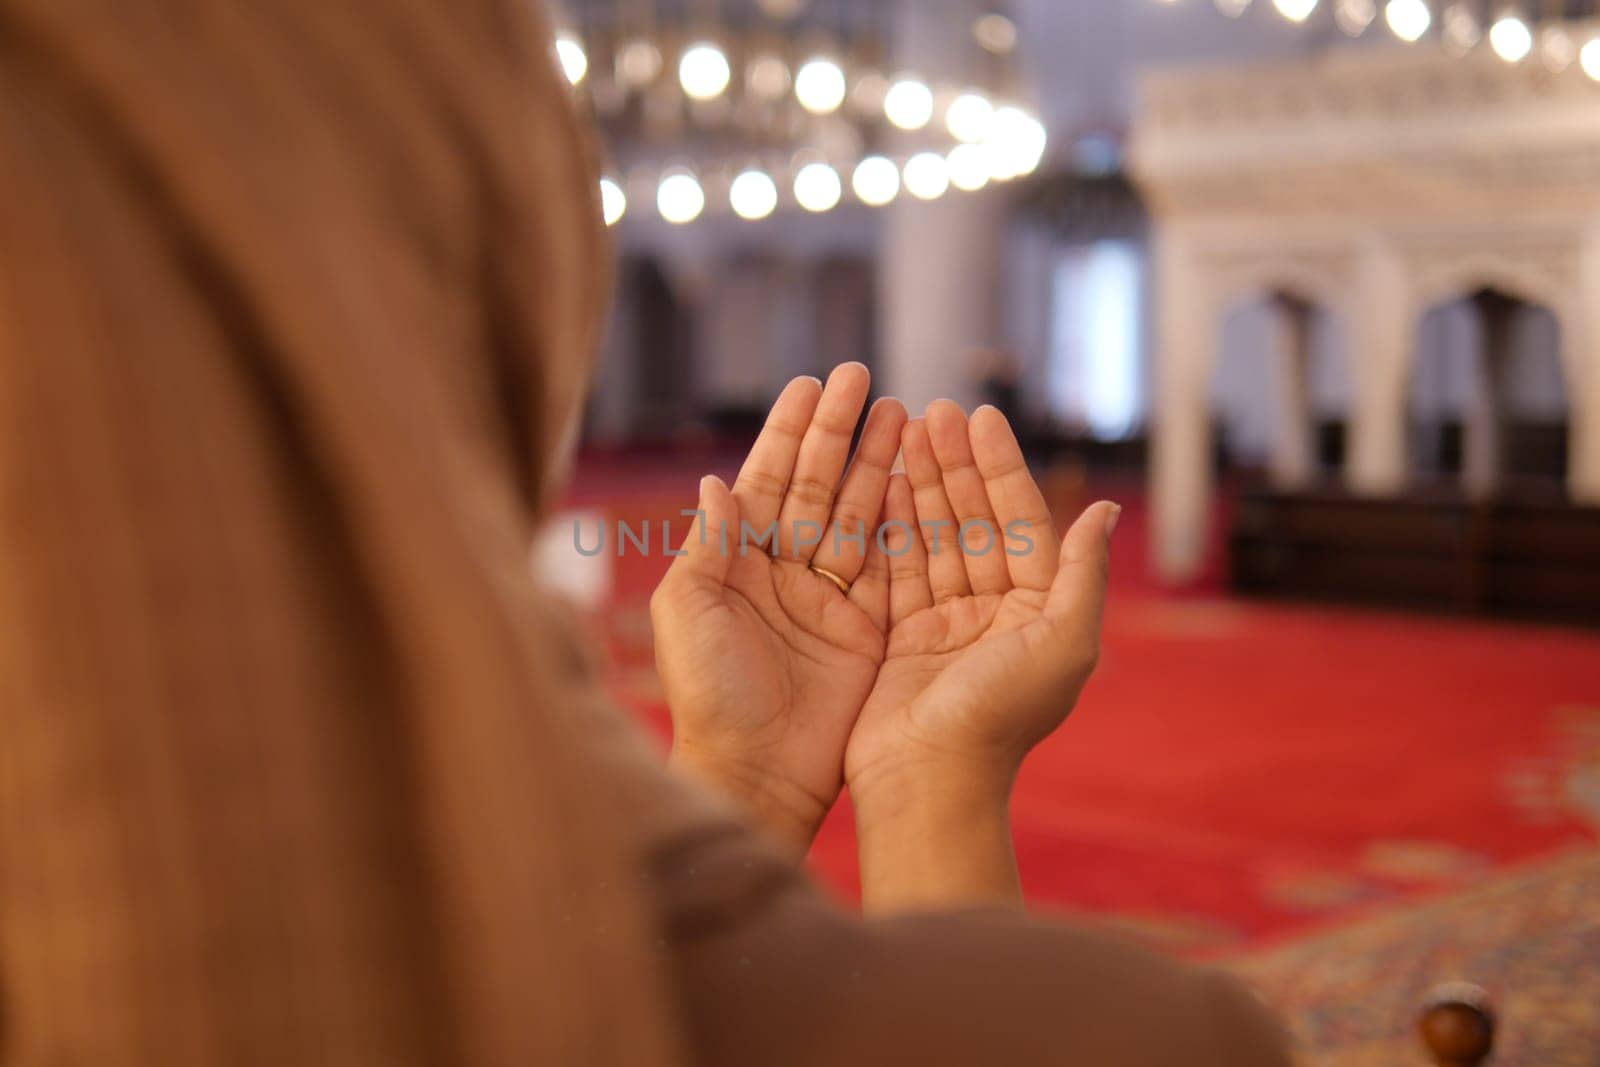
{"x":1486,"y":401}
{"x":1280,"y":392}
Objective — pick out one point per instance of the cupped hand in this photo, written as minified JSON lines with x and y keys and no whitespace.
{"x":990,"y":641}
{"x":766,"y":661}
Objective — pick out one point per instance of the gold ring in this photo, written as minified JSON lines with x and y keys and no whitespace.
{"x":844,"y":586}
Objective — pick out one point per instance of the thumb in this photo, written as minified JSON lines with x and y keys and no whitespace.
{"x":1078,"y":593}
{"x":707,"y":552}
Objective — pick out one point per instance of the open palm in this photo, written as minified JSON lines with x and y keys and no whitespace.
{"x":991,"y":638}
{"x":765,"y":661}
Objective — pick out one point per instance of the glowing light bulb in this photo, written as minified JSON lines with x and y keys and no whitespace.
{"x":679,"y":198}
{"x":1589,"y":58}
{"x":968,"y":166}
{"x":817,"y":187}
{"x":876,"y":181}
{"x":968,"y":117}
{"x":927,"y":176}
{"x":1295,"y":10}
{"x":574,"y":60}
{"x":753,"y":195}
{"x":1510,"y":38}
{"x":613,"y":201}
{"x":1408,"y":19}
{"x":819,"y":86}
{"x":1016,"y":144}
{"x":703,"y":71}
{"x":909,"y":103}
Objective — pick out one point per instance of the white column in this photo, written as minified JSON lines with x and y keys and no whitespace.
{"x":1580,"y":329}
{"x":1291,"y":463}
{"x":1180,"y":463}
{"x":940,"y":263}
{"x":1382,"y":341}
{"x":938,"y":295}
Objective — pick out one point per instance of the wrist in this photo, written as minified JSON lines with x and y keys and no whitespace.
{"x":936,"y":835}
{"x":781,"y":807}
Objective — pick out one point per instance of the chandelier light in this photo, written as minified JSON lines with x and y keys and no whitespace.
{"x":876,"y":181}
{"x":909,"y":103}
{"x":1589,"y":58}
{"x":927,"y":176}
{"x":968,"y":166}
{"x":613,"y":201}
{"x":574,"y":60}
{"x":753,"y":195}
{"x":1510,"y":37}
{"x":820,"y":86}
{"x":1408,"y":19}
{"x":679,"y":197}
{"x":704,"y":89}
{"x":968,"y":117}
{"x":1295,"y":10}
{"x":817,"y":187}
{"x":703,"y":71}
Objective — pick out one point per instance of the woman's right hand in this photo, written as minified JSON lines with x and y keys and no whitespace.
{"x":987,"y":653}
{"x":765,"y":661}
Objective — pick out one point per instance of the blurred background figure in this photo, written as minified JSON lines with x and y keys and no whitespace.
{"x":1311,"y":287}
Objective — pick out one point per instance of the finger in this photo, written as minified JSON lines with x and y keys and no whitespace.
{"x":847,"y":535}
{"x":1028,"y":537}
{"x":1078,"y":594}
{"x":981,"y":548}
{"x":764,"y":478}
{"x":907,"y":559}
{"x":704,"y":553}
{"x":870,"y":590}
{"x":823,"y":450}
{"x":935,"y":522}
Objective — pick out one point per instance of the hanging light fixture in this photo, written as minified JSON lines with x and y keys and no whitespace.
{"x":703,"y":71}
{"x":753,"y":195}
{"x":968,"y":117}
{"x":572,"y":57}
{"x":927,"y":176}
{"x":817,"y":187}
{"x":1232,"y":8}
{"x":679,"y":197}
{"x":819,"y":85}
{"x":909,"y":103}
{"x":736,"y":94}
{"x":613,"y":201}
{"x":968,"y":167}
{"x":876,"y":181}
{"x":1408,"y":19}
{"x":1510,"y":37}
{"x":1589,"y":58}
{"x":1295,"y":10}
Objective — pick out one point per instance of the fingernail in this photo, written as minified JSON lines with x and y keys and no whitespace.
{"x":1111,"y":521}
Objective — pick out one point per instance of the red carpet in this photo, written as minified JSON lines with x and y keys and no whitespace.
{"x":1237,"y":771}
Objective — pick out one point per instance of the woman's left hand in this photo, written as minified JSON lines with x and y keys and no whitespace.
{"x":765,"y":660}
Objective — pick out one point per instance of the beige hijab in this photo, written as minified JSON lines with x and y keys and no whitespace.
{"x":294,"y":297}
